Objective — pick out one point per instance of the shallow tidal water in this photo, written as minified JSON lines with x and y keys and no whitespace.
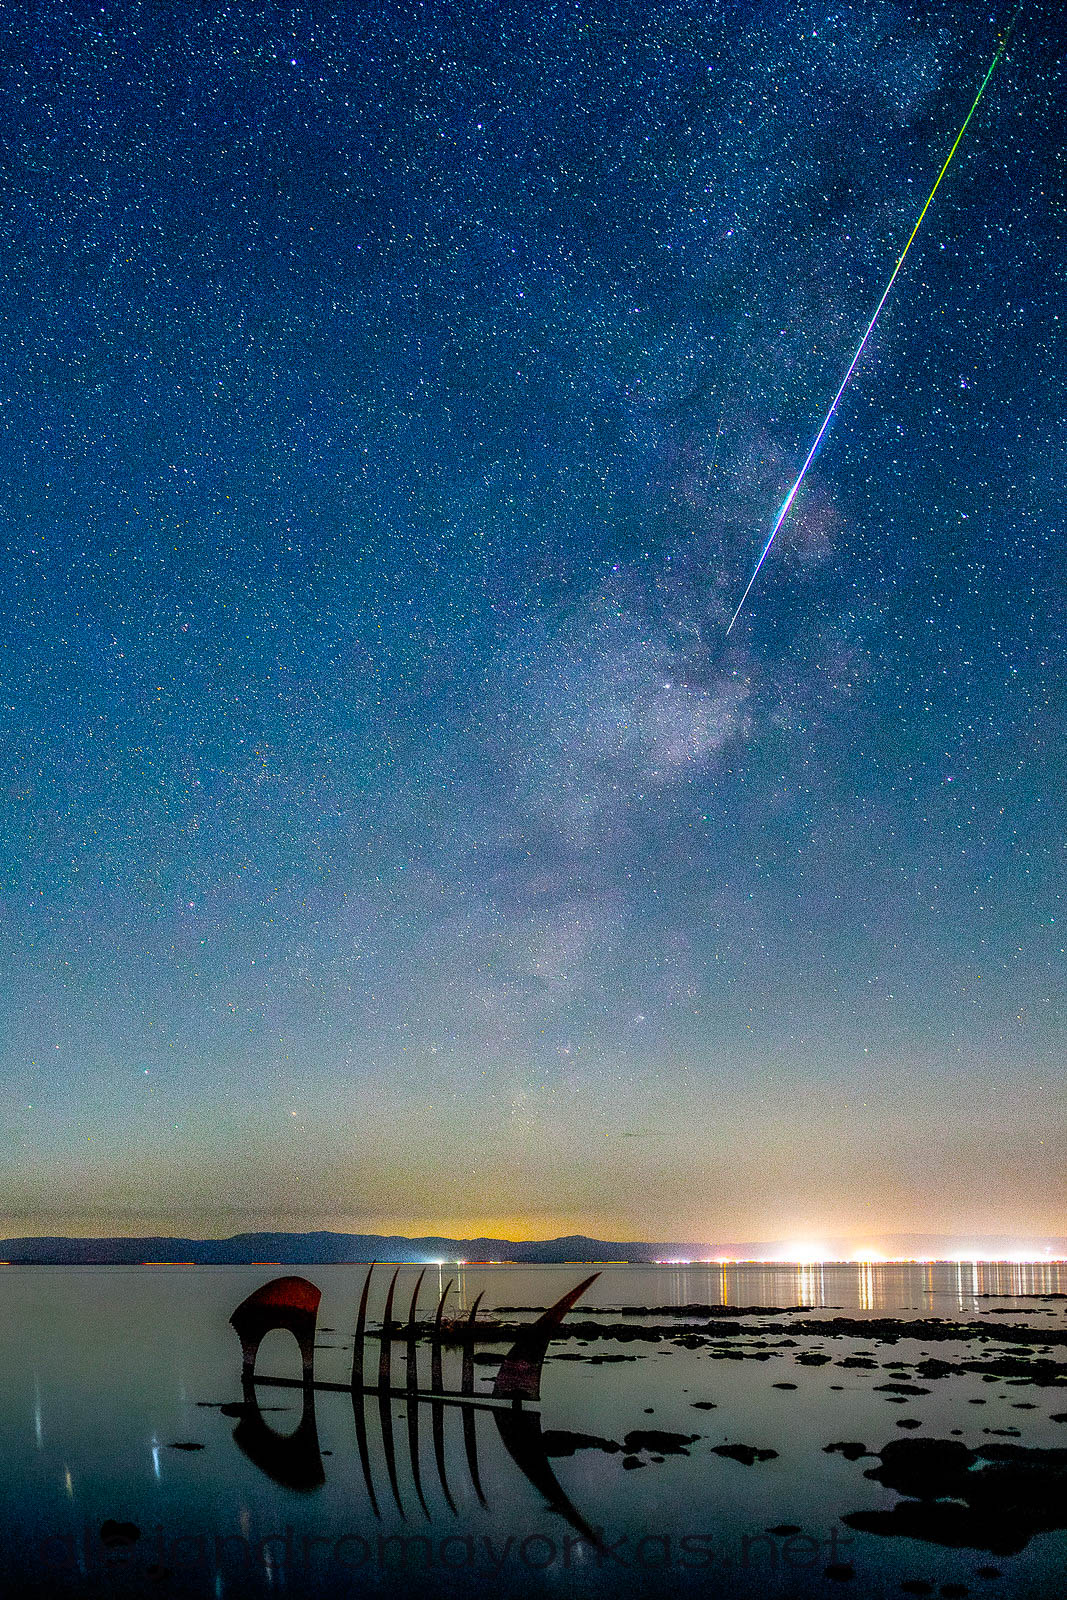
{"x":673,"y":1451}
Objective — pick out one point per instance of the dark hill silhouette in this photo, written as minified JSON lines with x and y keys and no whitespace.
{"x":321,"y":1248}
{"x":324,"y":1248}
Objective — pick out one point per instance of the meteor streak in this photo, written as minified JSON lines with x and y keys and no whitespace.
{"x":791,"y":496}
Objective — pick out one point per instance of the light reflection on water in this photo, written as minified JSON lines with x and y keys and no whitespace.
{"x":875,"y":1288}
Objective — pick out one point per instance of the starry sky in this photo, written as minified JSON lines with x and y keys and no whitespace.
{"x":393,"y":401}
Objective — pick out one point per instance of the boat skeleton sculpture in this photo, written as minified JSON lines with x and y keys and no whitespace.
{"x":295,"y":1460}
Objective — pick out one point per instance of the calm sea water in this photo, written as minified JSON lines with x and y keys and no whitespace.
{"x":107,"y":1371}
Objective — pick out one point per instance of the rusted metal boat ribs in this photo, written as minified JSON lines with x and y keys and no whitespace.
{"x":295,"y":1460}
{"x":292,"y":1303}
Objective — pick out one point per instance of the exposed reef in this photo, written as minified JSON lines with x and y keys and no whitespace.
{"x":995,"y":1498}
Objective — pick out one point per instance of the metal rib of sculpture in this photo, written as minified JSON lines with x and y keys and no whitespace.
{"x":411,"y":1373}
{"x":385,"y":1347}
{"x":466,"y":1382}
{"x":411,"y":1369}
{"x":437,"y":1382}
{"x":361,"y":1330}
{"x":437,"y":1410}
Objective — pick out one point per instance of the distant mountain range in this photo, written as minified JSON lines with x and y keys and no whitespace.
{"x":320,"y":1249}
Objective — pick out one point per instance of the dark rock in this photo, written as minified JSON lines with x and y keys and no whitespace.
{"x":709,"y":1405}
{"x":933,"y":1367}
{"x":924,"y":1468}
{"x":899,"y":1388}
{"x":669,"y":1444}
{"x":995,"y":1498}
{"x":783,"y":1385}
{"x":746,"y":1454}
{"x":185,"y":1444}
{"x":558,"y":1442}
{"x":849,"y":1449}
{"x":909,"y":1422}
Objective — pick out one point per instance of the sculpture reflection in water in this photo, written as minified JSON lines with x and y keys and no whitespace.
{"x":295,"y":1459}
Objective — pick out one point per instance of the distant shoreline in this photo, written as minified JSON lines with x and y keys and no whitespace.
{"x":278,"y":1249}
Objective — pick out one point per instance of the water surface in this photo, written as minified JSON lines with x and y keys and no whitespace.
{"x":108,"y":1370}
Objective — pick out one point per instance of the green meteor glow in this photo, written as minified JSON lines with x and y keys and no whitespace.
{"x":791,"y":496}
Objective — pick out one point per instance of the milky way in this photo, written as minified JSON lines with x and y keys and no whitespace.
{"x":388,"y":395}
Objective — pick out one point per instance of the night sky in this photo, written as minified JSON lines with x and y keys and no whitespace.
{"x":394,"y":400}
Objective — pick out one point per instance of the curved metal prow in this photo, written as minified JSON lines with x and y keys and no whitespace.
{"x":519,"y":1377}
{"x":289,"y":1302}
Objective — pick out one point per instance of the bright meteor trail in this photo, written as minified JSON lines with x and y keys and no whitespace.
{"x":791,"y":496}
